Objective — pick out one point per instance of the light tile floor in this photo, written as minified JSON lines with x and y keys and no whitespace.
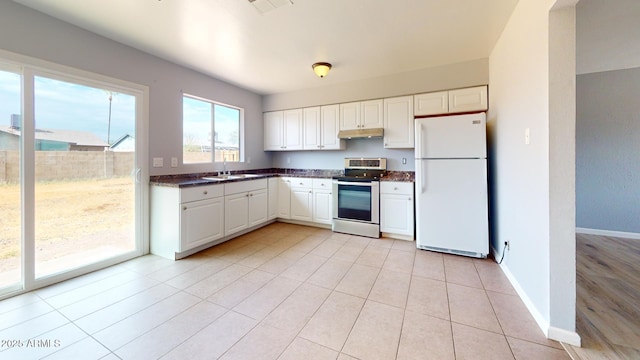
{"x":282,"y":292}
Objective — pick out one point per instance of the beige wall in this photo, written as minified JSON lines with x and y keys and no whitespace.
{"x":452,"y":76}
{"x":68,"y":165}
{"x":532,"y":82}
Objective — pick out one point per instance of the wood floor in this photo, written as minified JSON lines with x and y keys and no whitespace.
{"x":608,"y":297}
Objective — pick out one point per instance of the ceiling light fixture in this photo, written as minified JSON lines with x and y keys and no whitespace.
{"x":321,"y":68}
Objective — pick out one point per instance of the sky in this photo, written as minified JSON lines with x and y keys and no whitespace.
{"x":197,"y":123}
{"x":63,"y":105}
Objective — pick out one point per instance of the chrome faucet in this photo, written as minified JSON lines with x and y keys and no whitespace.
{"x":224,"y":169}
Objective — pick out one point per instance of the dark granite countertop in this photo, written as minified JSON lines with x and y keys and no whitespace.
{"x":197,"y":179}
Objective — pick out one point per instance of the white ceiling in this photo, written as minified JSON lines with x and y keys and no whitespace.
{"x":273,"y":52}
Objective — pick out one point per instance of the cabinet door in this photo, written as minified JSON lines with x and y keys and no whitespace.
{"x":272,"y":210}
{"x":371,"y":116}
{"x":236,"y":212}
{"x":258,"y":207}
{"x":273,"y":131}
{"x":396,"y":214}
{"x":431,"y":103}
{"x":329,"y":127}
{"x":322,"y":206}
{"x":301,"y":204}
{"x":398,"y":122}
{"x":311,"y":131}
{"x":284,"y":198}
{"x":292,"y":129}
{"x":350,"y":116}
{"x":470,"y":99}
{"x":201,"y":222}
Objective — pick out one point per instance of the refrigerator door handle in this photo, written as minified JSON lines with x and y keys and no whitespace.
{"x":423,"y":188}
{"x":419,"y":144}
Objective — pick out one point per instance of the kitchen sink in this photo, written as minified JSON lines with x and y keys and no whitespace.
{"x":229,"y":177}
{"x":214,"y":178}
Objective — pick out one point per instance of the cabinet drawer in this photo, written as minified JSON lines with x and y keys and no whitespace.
{"x":396,"y":187}
{"x":200,"y":193}
{"x":244,"y":186}
{"x":301,"y":182}
{"x":322,"y":184}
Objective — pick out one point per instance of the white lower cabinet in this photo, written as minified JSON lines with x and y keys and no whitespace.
{"x":284,"y":198}
{"x":185,"y":218}
{"x":236,"y":213}
{"x":397,"y":210}
{"x":302,"y":199}
{"x":322,"y":201}
{"x":258,"y":205}
{"x":272,"y":207}
{"x":245,"y":205}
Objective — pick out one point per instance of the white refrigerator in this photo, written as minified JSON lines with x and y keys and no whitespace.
{"x":452,"y":213}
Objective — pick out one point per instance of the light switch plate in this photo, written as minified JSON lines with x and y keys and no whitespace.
{"x":174,"y":162}
{"x":158,"y":162}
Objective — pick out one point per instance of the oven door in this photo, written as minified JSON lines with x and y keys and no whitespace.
{"x":357,"y":201}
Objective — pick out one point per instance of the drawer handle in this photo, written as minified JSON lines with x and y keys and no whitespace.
{"x":205,"y":192}
{"x":184,"y":208}
{"x":395,"y":188}
{"x":409,"y":199}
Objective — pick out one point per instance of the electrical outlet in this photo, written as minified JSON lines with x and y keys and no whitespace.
{"x":174,"y":162}
{"x":158,"y":162}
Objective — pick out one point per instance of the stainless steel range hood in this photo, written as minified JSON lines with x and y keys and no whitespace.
{"x":361,"y":133}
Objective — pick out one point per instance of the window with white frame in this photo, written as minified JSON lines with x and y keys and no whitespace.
{"x":211,"y":131}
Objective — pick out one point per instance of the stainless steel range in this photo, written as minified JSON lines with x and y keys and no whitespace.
{"x":356,"y":197}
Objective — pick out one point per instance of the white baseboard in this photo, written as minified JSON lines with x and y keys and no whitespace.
{"x":562,"y":335}
{"x":618,"y":234}
{"x":553,"y":333}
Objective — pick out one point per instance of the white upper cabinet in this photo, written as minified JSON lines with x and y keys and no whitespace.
{"x":371,"y":114}
{"x":311,"y":128}
{"x":452,"y":101}
{"x":361,"y":115}
{"x":283,"y":130}
{"x":432,"y":103}
{"x":470,"y":99}
{"x":321,"y":126}
{"x":350,"y":116}
{"x":329,"y":127}
{"x":293,"y":129}
{"x":398,"y":122}
{"x":273,"y":130}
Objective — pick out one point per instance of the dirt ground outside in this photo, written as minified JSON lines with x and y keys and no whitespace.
{"x":72,"y":218}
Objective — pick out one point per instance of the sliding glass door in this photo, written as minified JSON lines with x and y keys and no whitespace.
{"x":84,"y":175}
{"x":10,"y":189}
{"x":72,"y":195}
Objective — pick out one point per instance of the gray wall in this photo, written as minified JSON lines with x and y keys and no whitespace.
{"x":608,"y":115}
{"x":34,"y":34}
{"x":608,"y":151}
{"x":334,"y":159}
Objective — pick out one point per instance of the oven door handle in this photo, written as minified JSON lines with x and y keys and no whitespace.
{"x":354,"y":183}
